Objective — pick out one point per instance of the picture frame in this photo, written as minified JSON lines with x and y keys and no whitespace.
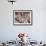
{"x":22,"y":17}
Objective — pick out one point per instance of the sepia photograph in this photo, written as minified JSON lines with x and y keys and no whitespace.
{"x":22,"y":17}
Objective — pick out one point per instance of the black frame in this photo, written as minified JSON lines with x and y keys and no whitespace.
{"x":23,"y":10}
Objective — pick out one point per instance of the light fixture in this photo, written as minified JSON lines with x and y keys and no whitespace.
{"x":12,"y":1}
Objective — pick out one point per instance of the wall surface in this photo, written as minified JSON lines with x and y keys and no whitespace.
{"x":38,"y":29}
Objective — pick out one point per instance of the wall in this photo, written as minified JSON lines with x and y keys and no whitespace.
{"x":38,"y":29}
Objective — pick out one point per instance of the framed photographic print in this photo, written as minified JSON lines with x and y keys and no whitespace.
{"x":22,"y":17}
